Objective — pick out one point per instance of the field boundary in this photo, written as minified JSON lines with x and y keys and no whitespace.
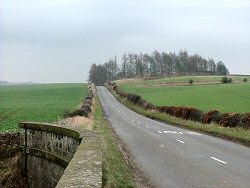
{"x":188,"y":113}
{"x":235,"y":134}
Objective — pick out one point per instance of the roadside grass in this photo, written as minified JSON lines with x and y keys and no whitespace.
{"x":222,"y":97}
{"x":234,"y":134}
{"x":39,"y":102}
{"x":116,"y":172}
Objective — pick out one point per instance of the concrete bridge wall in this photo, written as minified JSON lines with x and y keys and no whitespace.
{"x":48,"y":150}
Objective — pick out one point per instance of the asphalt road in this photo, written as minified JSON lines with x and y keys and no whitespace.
{"x":174,"y":157}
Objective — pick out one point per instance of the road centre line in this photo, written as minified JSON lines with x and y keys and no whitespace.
{"x":223,"y":162}
{"x":159,"y":132}
{"x":194,"y":133}
{"x":147,"y":126}
{"x":174,"y":132}
{"x":180,"y":141}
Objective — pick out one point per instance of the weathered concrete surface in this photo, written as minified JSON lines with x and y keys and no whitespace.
{"x":47,"y":151}
{"x":85,"y":169}
{"x":49,"y":148}
{"x":43,"y":173}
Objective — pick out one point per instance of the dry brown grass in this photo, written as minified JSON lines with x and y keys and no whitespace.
{"x":80,"y":121}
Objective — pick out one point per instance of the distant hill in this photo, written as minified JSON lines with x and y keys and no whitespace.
{"x":4,"y":82}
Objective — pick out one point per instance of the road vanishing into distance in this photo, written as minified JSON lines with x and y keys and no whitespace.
{"x":177,"y":158}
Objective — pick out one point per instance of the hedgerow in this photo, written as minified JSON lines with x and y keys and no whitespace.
{"x":188,"y":113}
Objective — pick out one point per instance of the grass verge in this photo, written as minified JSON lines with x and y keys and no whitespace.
{"x":116,"y":172}
{"x":237,"y":134}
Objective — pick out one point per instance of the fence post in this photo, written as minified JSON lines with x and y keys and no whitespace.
{"x":25,"y":152}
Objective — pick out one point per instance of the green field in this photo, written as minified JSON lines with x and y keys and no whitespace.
{"x":223,"y":97}
{"x":180,"y":79}
{"x":40,"y":102}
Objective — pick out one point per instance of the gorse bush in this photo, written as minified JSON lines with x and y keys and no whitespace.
{"x":225,"y":80}
{"x":191,"y":81}
{"x":245,"y":80}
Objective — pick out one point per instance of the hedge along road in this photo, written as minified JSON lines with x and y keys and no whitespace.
{"x":174,"y":157}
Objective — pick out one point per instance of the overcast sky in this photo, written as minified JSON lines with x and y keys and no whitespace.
{"x":58,"y":40}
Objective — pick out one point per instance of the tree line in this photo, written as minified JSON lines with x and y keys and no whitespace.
{"x":156,"y":64}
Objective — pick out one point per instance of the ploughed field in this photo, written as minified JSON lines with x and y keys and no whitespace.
{"x":39,"y":102}
{"x":233,"y":97}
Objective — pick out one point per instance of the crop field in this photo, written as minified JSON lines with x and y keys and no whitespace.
{"x":40,"y":102}
{"x":233,"y":97}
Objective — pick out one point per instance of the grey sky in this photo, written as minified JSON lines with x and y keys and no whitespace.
{"x":58,"y":40}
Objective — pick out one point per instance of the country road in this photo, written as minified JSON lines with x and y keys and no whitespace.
{"x":174,"y":157}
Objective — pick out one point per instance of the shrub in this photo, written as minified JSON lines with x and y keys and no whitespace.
{"x":224,"y":79}
{"x":175,"y":111}
{"x":133,"y":98}
{"x":231,"y":120}
{"x":186,"y":113}
{"x":78,"y":112}
{"x":247,"y":120}
{"x":90,"y":94}
{"x":245,"y":80}
{"x":122,"y":94}
{"x":87,"y":102}
{"x":141,"y":102}
{"x":217,"y":117}
{"x":148,"y":106}
{"x":191,"y":81}
{"x":210,"y":116}
{"x":162,"y":109}
{"x":86,"y":108}
{"x":66,"y":114}
{"x":88,"y":97}
{"x":196,"y":115}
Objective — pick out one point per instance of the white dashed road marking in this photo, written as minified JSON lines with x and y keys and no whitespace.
{"x":223,"y":162}
{"x":173,"y":132}
{"x":147,"y":126}
{"x":180,"y":141}
{"x":159,"y":132}
{"x":193,"y":133}
{"x":176,"y":132}
{"x":161,"y":145}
